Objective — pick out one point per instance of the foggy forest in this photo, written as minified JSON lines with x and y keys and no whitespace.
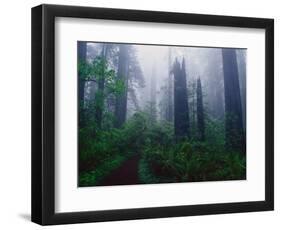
{"x":160,"y":114}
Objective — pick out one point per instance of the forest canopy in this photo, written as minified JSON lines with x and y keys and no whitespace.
{"x":160,"y":114}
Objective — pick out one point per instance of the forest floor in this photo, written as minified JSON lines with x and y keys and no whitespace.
{"x":126,"y":174}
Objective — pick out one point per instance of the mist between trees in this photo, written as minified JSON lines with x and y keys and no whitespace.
{"x":160,"y":114}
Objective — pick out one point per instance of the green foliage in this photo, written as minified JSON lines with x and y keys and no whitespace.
{"x":103,"y":148}
{"x":108,"y":84}
{"x":195,"y":162}
{"x":115,"y":86}
{"x":234,"y":133}
{"x":191,"y":160}
{"x":163,"y":160}
{"x":160,"y":135}
{"x":94,"y":177}
{"x":99,"y":70}
{"x":145,"y":174}
{"x":97,"y":145}
{"x":107,"y":149}
{"x":215,"y":132}
{"x":84,"y":70}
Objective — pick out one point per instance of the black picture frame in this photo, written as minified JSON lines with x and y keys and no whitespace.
{"x":43,"y":114}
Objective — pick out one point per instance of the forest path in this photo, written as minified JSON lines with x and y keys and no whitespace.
{"x":126,"y":174}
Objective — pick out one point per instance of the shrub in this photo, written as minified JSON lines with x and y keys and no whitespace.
{"x":195,"y":161}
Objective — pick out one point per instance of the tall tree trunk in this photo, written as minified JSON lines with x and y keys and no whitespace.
{"x":241,"y":61}
{"x":122,"y":74}
{"x":192,"y":107}
{"x":181,"y":114}
{"x":170,"y":90}
{"x":234,"y":134}
{"x":200,"y":112}
{"x":133,"y":96}
{"x":214,"y":84}
{"x":153,"y":112}
{"x":82,"y":55}
{"x":100,"y":91}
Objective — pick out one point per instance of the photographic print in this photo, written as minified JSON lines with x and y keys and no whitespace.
{"x":160,"y":114}
{"x":175,"y":109}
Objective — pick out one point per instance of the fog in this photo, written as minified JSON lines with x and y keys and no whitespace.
{"x":171,"y":113}
{"x":201,"y":62}
{"x":151,"y":75}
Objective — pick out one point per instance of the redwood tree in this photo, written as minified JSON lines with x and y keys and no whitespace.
{"x":181,"y":113}
{"x":234,"y":133}
{"x":82,"y":56}
{"x":122,"y":75}
{"x":200,"y":112}
{"x":101,"y":83}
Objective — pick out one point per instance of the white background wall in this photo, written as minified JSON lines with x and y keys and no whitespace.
{"x":15,"y":167}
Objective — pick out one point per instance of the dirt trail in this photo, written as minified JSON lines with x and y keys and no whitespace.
{"x":126,"y":174}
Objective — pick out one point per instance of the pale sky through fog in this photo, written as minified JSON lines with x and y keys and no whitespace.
{"x":203,"y":62}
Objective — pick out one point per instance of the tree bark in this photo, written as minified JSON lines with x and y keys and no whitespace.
{"x":122,"y":74}
{"x":101,"y":82}
{"x":170,"y":90}
{"x":234,"y":134}
{"x":241,"y":61}
{"x":181,"y":112}
{"x":153,"y":112}
{"x":82,"y":56}
{"x":200,"y":112}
